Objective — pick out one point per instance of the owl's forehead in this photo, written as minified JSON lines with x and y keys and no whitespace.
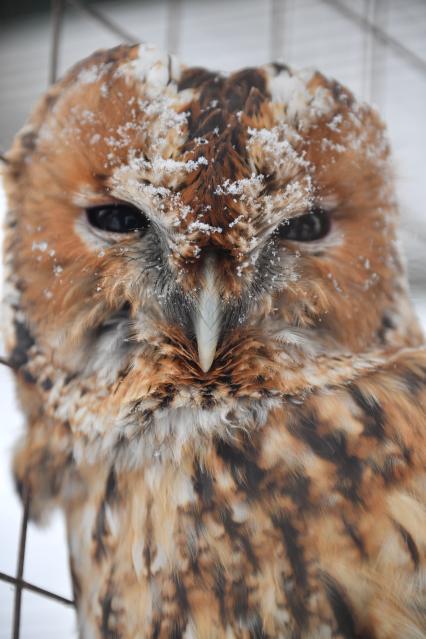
{"x":167,"y":134}
{"x":200,"y":151}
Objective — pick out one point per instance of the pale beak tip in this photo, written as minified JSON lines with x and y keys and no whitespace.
{"x":206,"y":361}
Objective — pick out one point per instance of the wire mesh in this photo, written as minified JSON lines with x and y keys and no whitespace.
{"x":371,"y":21}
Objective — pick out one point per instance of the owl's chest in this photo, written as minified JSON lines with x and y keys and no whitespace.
{"x":185,"y":517}
{"x":242,"y":535}
{"x":183,"y":542}
{"x":197,"y":544}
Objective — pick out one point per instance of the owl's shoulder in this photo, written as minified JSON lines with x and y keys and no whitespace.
{"x":371,"y":420}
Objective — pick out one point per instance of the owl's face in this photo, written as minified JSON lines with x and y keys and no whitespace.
{"x":208,"y":227}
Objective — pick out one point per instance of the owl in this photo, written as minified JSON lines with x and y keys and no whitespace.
{"x":221,"y":372}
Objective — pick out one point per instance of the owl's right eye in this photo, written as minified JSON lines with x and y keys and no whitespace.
{"x":117,"y":218}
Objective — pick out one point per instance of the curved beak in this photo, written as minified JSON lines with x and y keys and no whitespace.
{"x":207,"y":318}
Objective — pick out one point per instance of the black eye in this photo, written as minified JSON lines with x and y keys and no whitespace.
{"x":117,"y":218}
{"x":306,"y":228}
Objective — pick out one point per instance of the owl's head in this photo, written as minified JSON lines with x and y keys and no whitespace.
{"x":201,"y":227}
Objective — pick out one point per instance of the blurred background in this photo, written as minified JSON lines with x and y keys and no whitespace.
{"x":375,"y":47}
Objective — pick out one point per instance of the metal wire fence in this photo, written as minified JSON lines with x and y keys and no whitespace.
{"x":368,"y":22}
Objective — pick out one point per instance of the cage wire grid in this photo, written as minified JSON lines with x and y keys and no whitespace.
{"x":376,"y":42}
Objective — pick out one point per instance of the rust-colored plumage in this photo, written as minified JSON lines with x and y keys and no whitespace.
{"x":227,"y":402}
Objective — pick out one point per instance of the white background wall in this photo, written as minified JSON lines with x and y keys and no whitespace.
{"x":223,"y":34}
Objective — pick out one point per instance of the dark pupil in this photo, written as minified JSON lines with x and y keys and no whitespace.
{"x":117,"y":218}
{"x":306,"y":228}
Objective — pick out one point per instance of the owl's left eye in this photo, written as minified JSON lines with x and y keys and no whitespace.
{"x":306,"y":228}
{"x":117,"y":218}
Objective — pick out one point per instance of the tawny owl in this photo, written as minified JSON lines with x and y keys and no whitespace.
{"x":220,"y":368}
